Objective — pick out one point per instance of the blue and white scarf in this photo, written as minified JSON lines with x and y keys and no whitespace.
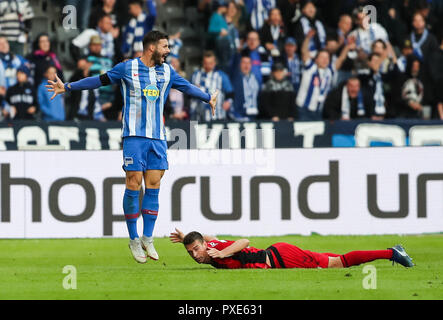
{"x":379,"y":96}
{"x":250,"y":91}
{"x":416,"y":45}
{"x":295,"y":69}
{"x":346,"y":104}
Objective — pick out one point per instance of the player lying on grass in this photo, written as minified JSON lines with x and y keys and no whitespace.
{"x":224,"y":254}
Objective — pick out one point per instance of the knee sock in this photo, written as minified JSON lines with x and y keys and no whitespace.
{"x":355,"y":258}
{"x":131,"y":210}
{"x":150,"y":207}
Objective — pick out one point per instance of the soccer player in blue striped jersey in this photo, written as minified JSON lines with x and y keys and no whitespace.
{"x":145,"y":83}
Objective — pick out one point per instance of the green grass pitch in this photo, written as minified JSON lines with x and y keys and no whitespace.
{"x":32,"y":269}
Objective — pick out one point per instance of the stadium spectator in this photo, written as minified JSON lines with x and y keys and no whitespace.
{"x":43,"y":57}
{"x":406,"y":51}
{"x":258,"y":12}
{"x":21,"y":97}
{"x":117,"y":10}
{"x":3,"y":111}
{"x":344,"y":28}
{"x":435,"y":69}
{"x":237,"y":16}
{"x":10,"y":62}
{"x":366,"y":32}
{"x":423,"y":42}
{"x":393,"y":23}
{"x":52,"y":110}
{"x":410,"y":92}
{"x":219,"y":35}
{"x":372,"y":82}
{"x":209,"y":80}
{"x":277,"y":98}
{"x":218,"y":28}
{"x":423,"y":7}
{"x":140,"y":24}
{"x":175,"y":44}
{"x":273,"y":33}
{"x":100,"y":65}
{"x":83,"y":105}
{"x":175,"y":106}
{"x":317,"y":78}
{"x":246,"y":92}
{"x":290,"y":10}
{"x":232,"y":19}
{"x":107,"y":33}
{"x":83,"y":8}
{"x":292,"y":62}
{"x":333,"y":48}
{"x":305,"y":24}
{"x":348,"y":101}
{"x":261,"y":61}
{"x":15,"y":23}
{"x":387,"y":55}
{"x":204,"y":7}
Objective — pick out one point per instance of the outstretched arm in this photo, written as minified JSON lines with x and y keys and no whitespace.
{"x":185,"y":86}
{"x":58,"y":87}
{"x":112,"y":76}
{"x":344,"y":53}
{"x":305,"y":54}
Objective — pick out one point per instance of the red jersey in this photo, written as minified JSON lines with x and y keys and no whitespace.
{"x":247,"y":258}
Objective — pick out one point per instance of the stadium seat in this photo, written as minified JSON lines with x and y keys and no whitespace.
{"x":176,"y":24}
{"x":172,"y":12}
{"x":41,"y":8}
{"x":39,"y":25}
{"x":175,"y":3}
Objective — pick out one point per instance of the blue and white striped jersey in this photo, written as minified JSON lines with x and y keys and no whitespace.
{"x":210,"y":82}
{"x":145,"y":91}
{"x":315,"y":86}
{"x":258,"y":10}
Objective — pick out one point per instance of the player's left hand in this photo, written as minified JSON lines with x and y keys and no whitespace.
{"x":214,"y":253}
{"x":213,"y":102}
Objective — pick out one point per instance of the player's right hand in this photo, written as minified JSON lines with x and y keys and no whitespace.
{"x":58,"y":87}
{"x":177,"y":236}
{"x":213,"y":102}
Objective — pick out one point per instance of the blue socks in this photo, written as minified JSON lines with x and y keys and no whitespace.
{"x":150,"y":211}
{"x":150,"y":206}
{"x":131,"y":210}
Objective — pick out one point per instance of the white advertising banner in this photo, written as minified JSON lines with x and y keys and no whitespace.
{"x":77,"y":194}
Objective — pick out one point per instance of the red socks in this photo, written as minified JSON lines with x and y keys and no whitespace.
{"x":355,"y":258}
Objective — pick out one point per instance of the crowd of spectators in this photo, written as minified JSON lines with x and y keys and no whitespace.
{"x":270,"y":59}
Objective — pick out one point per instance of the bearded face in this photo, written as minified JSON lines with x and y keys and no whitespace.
{"x":161,"y":51}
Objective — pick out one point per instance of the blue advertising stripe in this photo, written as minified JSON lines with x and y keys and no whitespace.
{"x":339,"y":134}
